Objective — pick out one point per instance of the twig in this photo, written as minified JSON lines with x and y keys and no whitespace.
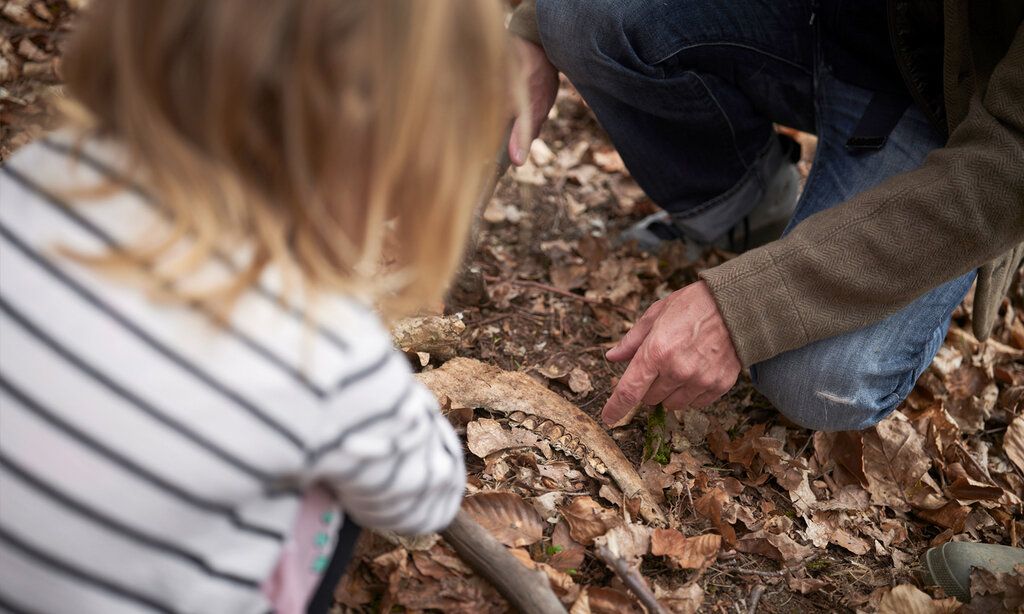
{"x":492,"y":319}
{"x":755,"y":598}
{"x":689,"y":494}
{"x":553,"y":290}
{"x":526,"y":590}
{"x":755,"y":572}
{"x":764,"y":574}
{"x":631,"y":577}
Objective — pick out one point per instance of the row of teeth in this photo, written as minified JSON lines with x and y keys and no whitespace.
{"x":560,"y":440}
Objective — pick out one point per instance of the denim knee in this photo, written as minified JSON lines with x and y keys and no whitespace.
{"x":828,"y":396}
{"x":580,"y":36}
{"x":846,"y":383}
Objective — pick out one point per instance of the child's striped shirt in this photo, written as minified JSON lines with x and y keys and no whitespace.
{"x":151,"y":461}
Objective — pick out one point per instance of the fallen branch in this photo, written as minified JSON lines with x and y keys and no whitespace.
{"x":471,"y":383}
{"x":527,"y":590}
{"x":436,"y":335}
{"x":632,"y":579}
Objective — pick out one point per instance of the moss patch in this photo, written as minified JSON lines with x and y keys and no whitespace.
{"x":657,"y":445}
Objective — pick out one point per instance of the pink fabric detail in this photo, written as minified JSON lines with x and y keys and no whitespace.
{"x":296,"y":576}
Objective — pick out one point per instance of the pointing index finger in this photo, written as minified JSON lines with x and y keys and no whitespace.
{"x":630,"y":390}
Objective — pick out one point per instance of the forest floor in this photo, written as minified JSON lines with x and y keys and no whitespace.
{"x":760,"y":512}
{"x":823,"y":522}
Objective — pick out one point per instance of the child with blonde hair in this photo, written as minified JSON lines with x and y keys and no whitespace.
{"x":195,"y":394}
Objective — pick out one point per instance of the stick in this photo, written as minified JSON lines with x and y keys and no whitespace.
{"x":526,"y":590}
{"x":631,"y":577}
{"x":755,"y":572}
{"x":553,"y":290}
{"x":545,"y":287}
{"x":755,"y":598}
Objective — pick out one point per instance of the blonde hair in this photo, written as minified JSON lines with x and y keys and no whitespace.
{"x":319,"y":135}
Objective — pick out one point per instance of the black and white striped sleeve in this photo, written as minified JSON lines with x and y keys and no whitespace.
{"x":396,"y":463}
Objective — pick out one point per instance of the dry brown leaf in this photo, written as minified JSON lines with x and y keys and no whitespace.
{"x":19,"y":14}
{"x":682,"y":461}
{"x":849,"y":498}
{"x":392,"y":560}
{"x":966,"y":381}
{"x":686,"y":599}
{"x":656,"y":479}
{"x":453,"y":595}
{"x":587,"y":519}
{"x":781,"y":548}
{"x":845,"y":450}
{"x":629,"y":542}
{"x":354,"y":591}
{"x":568,"y":157}
{"x":894,"y":463}
{"x":610,"y":494}
{"x":710,"y":506}
{"x":824,"y":528}
{"x":582,"y":603}
{"x":799,"y":582}
{"x":996,"y":592}
{"x":611,"y":601}
{"x":547,"y":504}
{"x":627,"y":193}
{"x":614,"y":280}
{"x":950,"y":516}
{"x":609,"y":160}
{"x":428,"y":566}
{"x":570,"y":552}
{"x":486,"y":436}
{"x":556,"y":367}
{"x":561,"y":582}
{"x":1013,"y":442}
{"x":583,"y":174}
{"x":741,"y":450}
{"x":505,"y":515}
{"x":972,"y":395}
{"x":686,"y":552}
{"x":568,"y":276}
{"x":528,"y":173}
{"x":965,"y":488}
{"x":445,"y":557}
{"x":408,"y":588}
{"x":791,"y":474}
{"x":540,"y":153}
{"x":579,"y":381}
{"x":908,"y":599}
{"x":938,"y":426}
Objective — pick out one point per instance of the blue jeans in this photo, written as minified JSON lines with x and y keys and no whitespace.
{"x":688,"y":91}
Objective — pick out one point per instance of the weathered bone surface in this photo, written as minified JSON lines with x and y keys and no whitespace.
{"x":471,"y":383}
{"x":435,"y":335}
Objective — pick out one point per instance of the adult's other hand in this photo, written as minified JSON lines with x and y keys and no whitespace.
{"x":541,"y":80}
{"x":679,"y":352}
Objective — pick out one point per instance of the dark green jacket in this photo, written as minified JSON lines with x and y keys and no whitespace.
{"x":963,"y":209}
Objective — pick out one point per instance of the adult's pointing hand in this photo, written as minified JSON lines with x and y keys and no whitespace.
{"x":679,"y":352}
